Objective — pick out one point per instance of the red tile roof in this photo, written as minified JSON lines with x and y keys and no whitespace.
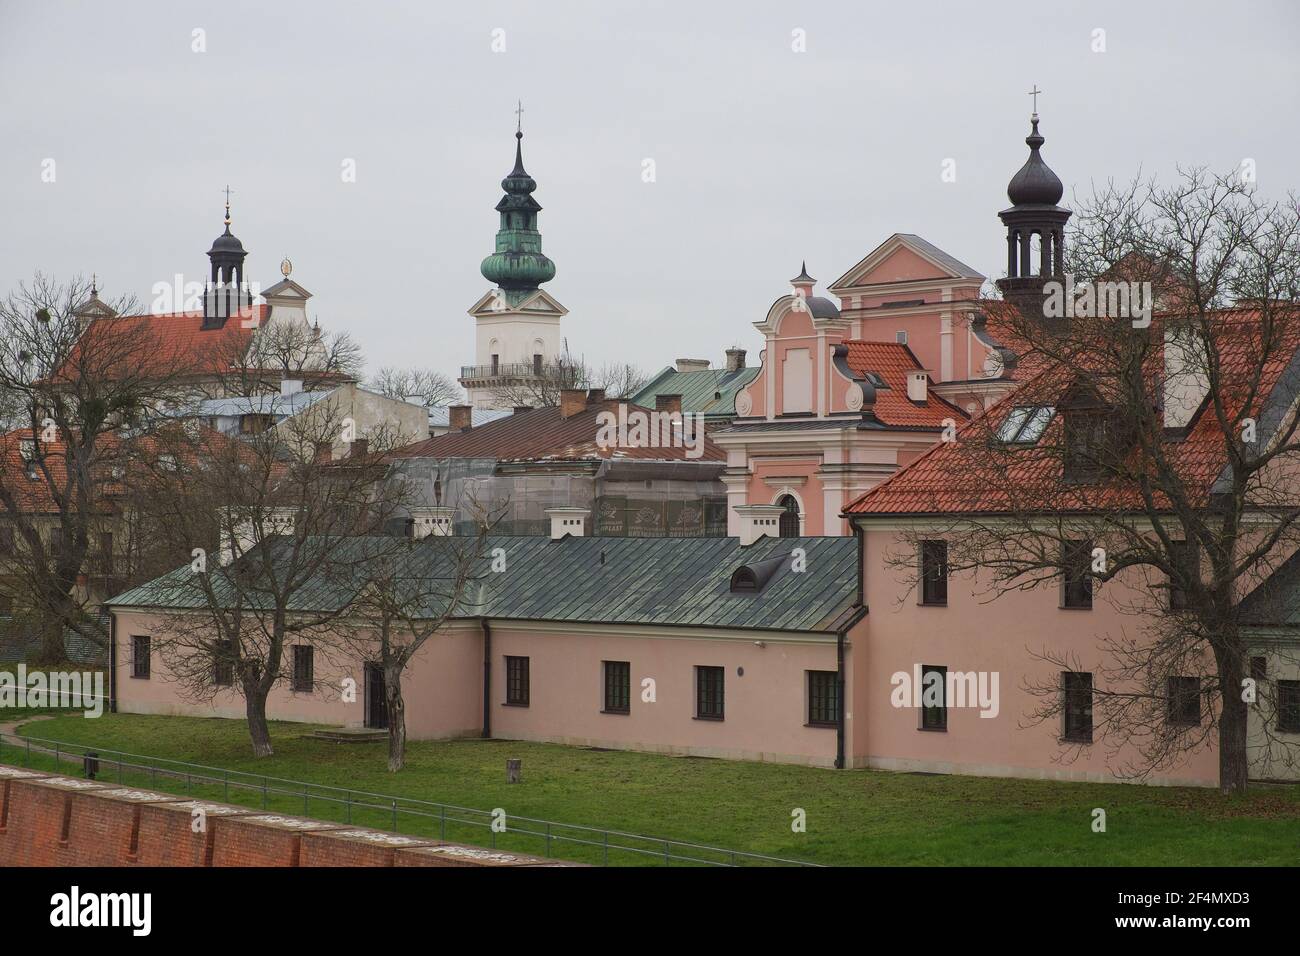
{"x":892,"y":361}
{"x":176,"y":342}
{"x":543,"y":434}
{"x":965,"y":477}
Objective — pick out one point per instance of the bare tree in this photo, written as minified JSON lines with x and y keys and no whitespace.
{"x":267,"y":519}
{"x":405,"y":595}
{"x":1153,"y":461}
{"x":543,"y":390}
{"x":78,"y":394}
{"x":433,"y":388}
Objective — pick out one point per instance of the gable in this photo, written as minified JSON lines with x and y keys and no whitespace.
{"x":904,"y":258}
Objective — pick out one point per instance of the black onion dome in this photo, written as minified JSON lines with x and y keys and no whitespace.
{"x":1035,"y":184}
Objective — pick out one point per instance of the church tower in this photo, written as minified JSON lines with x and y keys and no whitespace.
{"x":517,"y":336}
{"x":1035,"y":229}
{"x":226,"y":293}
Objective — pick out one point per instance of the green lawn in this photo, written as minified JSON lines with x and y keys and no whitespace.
{"x":853,"y":817}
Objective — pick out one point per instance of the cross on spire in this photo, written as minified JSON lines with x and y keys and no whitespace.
{"x":519,"y":117}
{"x":1034,"y":93}
{"x":228,"y":192}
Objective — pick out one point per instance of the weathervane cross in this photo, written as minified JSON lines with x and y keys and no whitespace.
{"x":1034,"y":93}
{"x":519,"y":117}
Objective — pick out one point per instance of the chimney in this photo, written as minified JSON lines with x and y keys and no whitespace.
{"x":431,"y":521}
{"x":757,"y":521}
{"x":735,"y":360}
{"x":568,"y":521}
{"x":595,"y":396}
{"x":1187,"y":379}
{"x":460,"y":417}
{"x":290,"y":386}
{"x":520,"y":409}
{"x":668,"y":403}
{"x":692,"y":365}
{"x":359,"y":447}
{"x":324,"y":452}
{"x":572,"y":401}
{"x":918,"y":385}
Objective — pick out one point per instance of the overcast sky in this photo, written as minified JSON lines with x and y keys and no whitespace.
{"x":763,"y":156}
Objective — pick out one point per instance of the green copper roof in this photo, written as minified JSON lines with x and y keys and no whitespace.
{"x":518,"y":264}
{"x":677,"y":582}
{"x":709,"y":391}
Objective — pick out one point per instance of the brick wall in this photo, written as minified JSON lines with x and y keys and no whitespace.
{"x":51,"y":820}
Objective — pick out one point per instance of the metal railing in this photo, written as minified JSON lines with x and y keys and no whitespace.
{"x":518,"y":370}
{"x":396,"y":814}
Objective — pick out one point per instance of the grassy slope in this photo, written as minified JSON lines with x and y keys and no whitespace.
{"x":854,"y":817}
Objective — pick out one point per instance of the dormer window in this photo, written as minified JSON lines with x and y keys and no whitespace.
{"x":1025,"y":424}
{"x":1088,"y":439}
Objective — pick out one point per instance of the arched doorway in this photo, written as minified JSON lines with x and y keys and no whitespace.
{"x":789,"y":526}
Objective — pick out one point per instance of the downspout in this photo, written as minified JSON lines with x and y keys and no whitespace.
{"x":112,"y":663}
{"x":839,"y":679}
{"x":487,"y":676}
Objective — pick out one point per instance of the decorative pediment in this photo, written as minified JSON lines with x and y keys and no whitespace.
{"x":904,"y":258}
{"x":286,"y":289}
{"x":535,"y":302}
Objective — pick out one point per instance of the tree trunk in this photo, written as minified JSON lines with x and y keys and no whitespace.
{"x":1232,"y":740}
{"x":396,"y":722}
{"x":51,"y":650}
{"x":258,"y":731}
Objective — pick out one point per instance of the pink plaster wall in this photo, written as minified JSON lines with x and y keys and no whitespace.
{"x":973,"y":634}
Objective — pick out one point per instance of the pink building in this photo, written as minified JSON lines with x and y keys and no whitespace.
{"x":846,"y":395}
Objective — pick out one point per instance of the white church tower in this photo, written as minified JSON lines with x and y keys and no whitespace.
{"x":517,"y":335}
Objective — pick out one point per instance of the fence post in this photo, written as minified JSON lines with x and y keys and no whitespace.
{"x":442,"y":830}
{"x":263,"y":792}
{"x":304,"y":801}
{"x":27,"y":755}
{"x":606,"y":848}
{"x":349,"y":804}
{"x":548,"y":839}
{"x":227,"y":788}
{"x":119,"y":769}
{"x":394,"y":816}
{"x":668,"y":857}
{"x":58,"y":762}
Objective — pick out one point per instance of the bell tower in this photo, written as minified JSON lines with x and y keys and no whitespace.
{"x":225,"y":294}
{"x":1035,"y":227}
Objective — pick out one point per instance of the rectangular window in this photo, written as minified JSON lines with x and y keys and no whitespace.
{"x":709,"y":693}
{"x":56,"y":541}
{"x":140,"y":651}
{"x":304,"y":668}
{"x":901,"y":336}
{"x":223,"y":664}
{"x":1076,"y":562}
{"x":934,"y":699}
{"x":823,"y":698}
{"x":618,"y":687}
{"x":1183,"y":555}
{"x":1288,"y":706}
{"x":1184,"y":701}
{"x":1077,"y":688}
{"x":1259,"y":669}
{"x":934,"y":572}
{"x":517,"y":689}
{"x":537,"y":365}
{"x":106,"y":552}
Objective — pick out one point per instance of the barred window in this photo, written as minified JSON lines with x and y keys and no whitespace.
{"x":1076,"y":562}
{"x":934,"y":572}
{"x":1077,"y":688}
{"x":517,"y":689}
{"x":1288,"y":706}
{"x":823,"y":698}
{"x":304,"y":677}
{"x":934,"y":701}
{"x":618,"y":687}
{"x":1184,"y":701}
{"x":709,"y":693}
{"x":141,"y":647}
{"x":223,"y":664}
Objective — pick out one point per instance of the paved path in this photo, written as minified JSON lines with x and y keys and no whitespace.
{"x":11,"y":726}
